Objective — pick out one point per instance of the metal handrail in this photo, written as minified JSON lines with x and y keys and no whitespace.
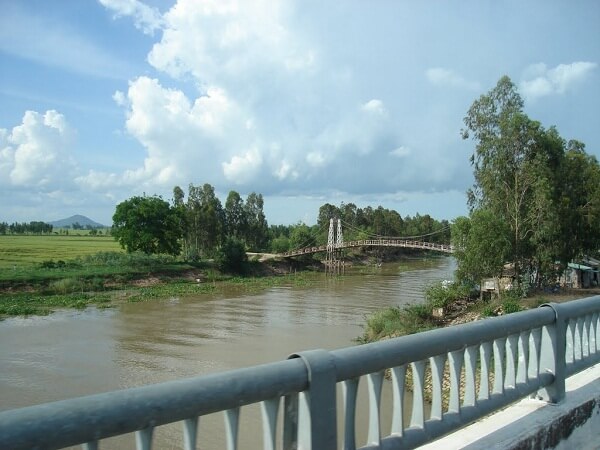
{"x":513,"y":356}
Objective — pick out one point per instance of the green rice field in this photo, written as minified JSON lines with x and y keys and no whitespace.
{"x":23,"y":251}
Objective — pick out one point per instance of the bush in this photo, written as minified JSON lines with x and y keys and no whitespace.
{"x":231,"y":257}
{"x":440,"y":296}
{"x":65,"y":286}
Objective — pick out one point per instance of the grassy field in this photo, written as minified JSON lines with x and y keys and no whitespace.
{"x":18,"y":252}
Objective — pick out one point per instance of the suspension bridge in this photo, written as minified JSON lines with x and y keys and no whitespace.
{"x":336,"y":243}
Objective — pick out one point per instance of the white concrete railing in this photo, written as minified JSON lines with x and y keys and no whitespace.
{"x":513,"y":356}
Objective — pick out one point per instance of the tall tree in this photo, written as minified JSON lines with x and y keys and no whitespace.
{"x":503,"y":162}
{"x":257,"y":229}
{"x":236,"y":222}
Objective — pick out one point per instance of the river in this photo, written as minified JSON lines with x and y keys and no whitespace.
{"x":72,"y":353}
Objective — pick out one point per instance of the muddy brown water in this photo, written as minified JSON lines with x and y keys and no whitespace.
{"x":72,"y":353}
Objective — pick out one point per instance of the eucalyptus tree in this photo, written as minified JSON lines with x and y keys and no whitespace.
{"x":236,"y":222}
{"x":205,"y":221}
{"x":544,"y":191}
{"x":257,"y":230}
{"x":504,"y":163}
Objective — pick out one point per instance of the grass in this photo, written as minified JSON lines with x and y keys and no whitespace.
{"x":39,"y":273}
{"x":19,"y":252}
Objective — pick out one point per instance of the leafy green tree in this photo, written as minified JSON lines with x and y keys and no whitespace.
{"x":148,"y":224}
{"x":231,"y":256}
{"x":482,"y":245}
{"x":302,"y":236}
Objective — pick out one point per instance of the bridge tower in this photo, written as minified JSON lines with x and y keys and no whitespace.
{"x":335,"y":241}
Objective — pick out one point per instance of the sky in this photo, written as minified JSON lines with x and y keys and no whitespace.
{"x":306,"y":102}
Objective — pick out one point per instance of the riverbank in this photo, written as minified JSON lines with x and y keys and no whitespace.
{"x":105,"y":280}
{"x":398,"y":321}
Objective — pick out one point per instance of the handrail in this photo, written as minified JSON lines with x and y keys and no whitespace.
{"x":499,"y":359}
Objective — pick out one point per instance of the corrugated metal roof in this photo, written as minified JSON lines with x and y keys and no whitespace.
{"x":579,"y":266}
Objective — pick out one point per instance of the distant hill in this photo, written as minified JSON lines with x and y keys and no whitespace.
{"x":78,"y":218}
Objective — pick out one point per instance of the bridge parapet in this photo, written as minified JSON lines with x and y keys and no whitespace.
{"x":513,"y":356}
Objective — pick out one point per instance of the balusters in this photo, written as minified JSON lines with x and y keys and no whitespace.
{"x":374,"y":383}
{"x":570,"y":343}
{"x":190,"y":433}
{"x":587,"y":322}
{"x":511,"y":356}
{"x":143,"y":439}
{"x":232,"y":420}
{"x":470,"y":369}
{"x":437,"y":364}
{"x":349,"y":391}
{"x":455,"y":360}
{"x":535,"y":342}
{"x":485,"y":353}
{"x":269,"y":409}
{"x":594,"y":334}
{"x":398,"y":381}
{"x":418,"y":377}
{"x":499,"y":352}
{"x":578,"y":341}
{"x":523,"y":352}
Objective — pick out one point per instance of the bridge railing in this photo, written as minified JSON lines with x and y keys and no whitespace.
{"x":467,"y":371}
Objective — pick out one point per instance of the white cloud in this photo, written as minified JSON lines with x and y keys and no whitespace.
{"x":217,"y":40}
{"x":539,"y":81}
{"x":269,"y":113}
{"x":440,"y":76}
{"x":145,"y":18}
{"x":36,"y":153}
{"x":401,"y":152}
{"x":241,"y":169}
{"x":374,"y":106}
{"x":119,"y":98}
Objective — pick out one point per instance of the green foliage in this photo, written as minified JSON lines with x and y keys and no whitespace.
{"x":440,"y":296}
{"x":482,"y":246}
{"x":280,"y":244}
{"x":396,"y":321}
{"x":148,"y":224}
{"x":535,"y":199}
{"x":231,"y":257}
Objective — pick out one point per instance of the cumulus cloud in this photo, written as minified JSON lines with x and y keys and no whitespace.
{"x":268,"y":113}
{"x":539,"y":80}
{"x":145,"y":18}
{"x":439,"y":76}
{"x":36,"y":153}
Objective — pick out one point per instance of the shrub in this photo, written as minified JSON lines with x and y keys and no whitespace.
{"x":440,"y":296}
{"x":231,"y":257}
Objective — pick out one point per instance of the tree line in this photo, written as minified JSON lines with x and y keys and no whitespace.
{"x":198,"y":225}
{"x":34,"y":227}
{"x":535,"y":203}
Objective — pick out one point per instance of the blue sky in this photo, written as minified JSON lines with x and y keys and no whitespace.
{"x":306,"y":102}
